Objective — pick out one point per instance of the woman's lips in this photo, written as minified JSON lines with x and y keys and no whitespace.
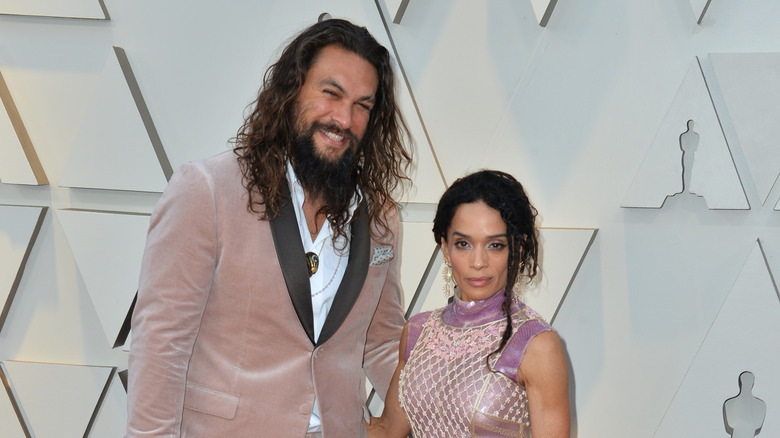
{"x":478,"y":281}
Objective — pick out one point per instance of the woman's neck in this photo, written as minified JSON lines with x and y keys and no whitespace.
{"x":472,"y":313}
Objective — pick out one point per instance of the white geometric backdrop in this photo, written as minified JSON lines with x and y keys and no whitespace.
{"x":587,"y":103}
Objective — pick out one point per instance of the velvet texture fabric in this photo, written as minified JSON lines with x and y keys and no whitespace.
{"x":222,"y":342}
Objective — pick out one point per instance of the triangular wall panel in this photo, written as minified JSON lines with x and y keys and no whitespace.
{"x":741,"y":338}
{"x":19,"y":163}
{"x":462,"y":125}
{"x":750,"y":86}
{"x":417,"y":247}
{"x":543,"y":10}
{"x":108,"y":248}
{"x":89,"y":9}
{"x":699,"y":8}
{"x":57,"y":400}
{"x":117,"y":147}
{"x":714,"y":175}
{"x":10,"y":426}
{"x":396,"y":9}
{"x":563,"y":251}
{"x":429,"y":183}
{"x":14,"y":166}
{"x":434,"y":296}
{"x":111,"y":419}
{"x":19,"y":228}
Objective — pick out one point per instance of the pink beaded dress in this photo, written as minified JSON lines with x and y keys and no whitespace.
{"x":446,"y":387}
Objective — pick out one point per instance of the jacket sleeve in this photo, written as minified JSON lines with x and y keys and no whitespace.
{"x":176,"y":275}
{"x":384,"y":332}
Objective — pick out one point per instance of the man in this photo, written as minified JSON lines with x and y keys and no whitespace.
{"x":270,"y":273}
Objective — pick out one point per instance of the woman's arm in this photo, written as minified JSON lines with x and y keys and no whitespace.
{"x":544,"y":373}
{"x":393,"y":422}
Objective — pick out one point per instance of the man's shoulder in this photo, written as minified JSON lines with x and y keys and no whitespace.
{"x":225,"y":160}
{"x":388,"y":228}
{"x":220,"y":174}
{"x":222,"y":165}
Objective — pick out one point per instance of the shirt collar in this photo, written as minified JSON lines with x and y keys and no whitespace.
{"x":298,"y":197}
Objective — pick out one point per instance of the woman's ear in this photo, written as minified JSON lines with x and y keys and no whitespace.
{"x":443,"y":246}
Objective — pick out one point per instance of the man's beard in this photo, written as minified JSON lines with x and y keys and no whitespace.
{"x":333,"y":183}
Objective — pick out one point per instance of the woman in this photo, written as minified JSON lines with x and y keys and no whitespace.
{"x":485,"y":365}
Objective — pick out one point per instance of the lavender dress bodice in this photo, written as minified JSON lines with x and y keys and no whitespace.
{"x":446,"y":387}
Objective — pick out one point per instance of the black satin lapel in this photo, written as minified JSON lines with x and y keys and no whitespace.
{"x":289,"y":251}
{"x":354,"y":276}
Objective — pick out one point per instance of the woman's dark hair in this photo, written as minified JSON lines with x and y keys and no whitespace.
{"x":503,"y":193}
{"x":264,"y":141}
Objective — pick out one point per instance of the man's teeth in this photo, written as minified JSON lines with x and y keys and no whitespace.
{"x":333,"y":136}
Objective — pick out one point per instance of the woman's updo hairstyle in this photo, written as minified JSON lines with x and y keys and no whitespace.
{"x":503,"y":193}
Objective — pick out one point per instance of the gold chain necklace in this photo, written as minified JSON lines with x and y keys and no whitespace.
{"x":335,"y":271}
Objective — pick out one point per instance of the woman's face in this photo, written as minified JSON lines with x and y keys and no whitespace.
{"x":478,"y":248}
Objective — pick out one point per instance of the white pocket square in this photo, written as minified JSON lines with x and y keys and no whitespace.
{"x":382,"y":255}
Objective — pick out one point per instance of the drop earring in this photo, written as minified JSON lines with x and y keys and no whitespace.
{"x":449,"y":282}
{"x":517,"y":288}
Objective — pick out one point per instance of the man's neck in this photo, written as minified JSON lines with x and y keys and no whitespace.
{"x":314,"y":217}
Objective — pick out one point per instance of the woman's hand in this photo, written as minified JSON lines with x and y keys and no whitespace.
{"x":372,"y":427}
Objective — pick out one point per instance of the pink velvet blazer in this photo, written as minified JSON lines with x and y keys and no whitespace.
{"x":222,"y":329}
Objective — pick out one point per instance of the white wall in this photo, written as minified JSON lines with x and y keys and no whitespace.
{"x":571,"y":109}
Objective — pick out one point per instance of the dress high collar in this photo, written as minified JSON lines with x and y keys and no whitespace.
{"x":473,"y":313}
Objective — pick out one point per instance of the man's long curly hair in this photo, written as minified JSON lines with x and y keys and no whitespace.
{"x":264,"y":141}
{"x":503,"y":193}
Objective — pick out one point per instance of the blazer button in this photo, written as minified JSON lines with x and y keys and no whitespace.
{"x":304,"y":409}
